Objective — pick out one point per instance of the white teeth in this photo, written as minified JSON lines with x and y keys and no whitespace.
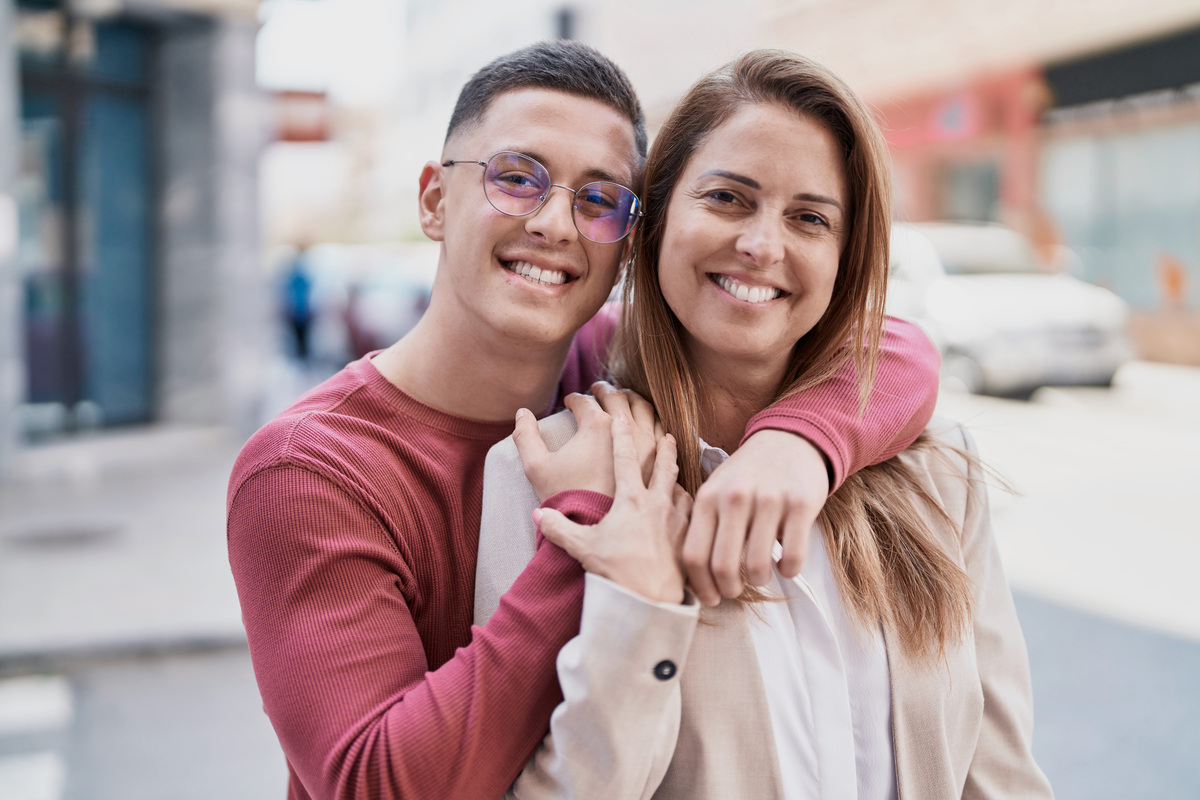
{"x":536,"y":274}
{"x":749,"y":294}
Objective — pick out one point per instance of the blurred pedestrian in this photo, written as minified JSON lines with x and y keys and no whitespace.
{"x":297,"y":286}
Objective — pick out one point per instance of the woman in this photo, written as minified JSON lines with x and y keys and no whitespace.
{"x":894,"y":665}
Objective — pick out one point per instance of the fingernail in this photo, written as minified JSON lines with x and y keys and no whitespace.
{"x":537,"y":516}
{"x":522,"y":412}
{"x":623,"y":418}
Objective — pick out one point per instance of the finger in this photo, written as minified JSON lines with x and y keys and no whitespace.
{"x":697,"y":550}
{"x":681,"y":502}
{"x":562,"y":532}
{"x":797,"y":528}
{"x":531,"y":447}
{"x":586,"y":410}
{"x":764,"y":529}
{"x":610,"y":398}
{"x":732,"y":527}
{"x":626,"y":468}
{"x":642,"y":412}
{"x":659,"y":430}
{"x":666,"y":467}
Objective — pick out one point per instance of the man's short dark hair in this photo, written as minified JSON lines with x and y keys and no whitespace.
{"x":561,"y":66}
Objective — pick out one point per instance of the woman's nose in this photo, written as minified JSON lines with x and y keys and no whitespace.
{"x":761,"y":241}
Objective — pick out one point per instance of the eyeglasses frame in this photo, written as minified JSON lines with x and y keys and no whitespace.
{"x":542,"y":198}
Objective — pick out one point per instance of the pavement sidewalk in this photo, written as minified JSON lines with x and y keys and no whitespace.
{"x":114,"y":543}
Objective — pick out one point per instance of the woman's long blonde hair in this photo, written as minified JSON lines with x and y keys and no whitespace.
{"x":888,"y":563}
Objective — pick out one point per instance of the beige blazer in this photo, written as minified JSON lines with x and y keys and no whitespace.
{"x":960,"y":728}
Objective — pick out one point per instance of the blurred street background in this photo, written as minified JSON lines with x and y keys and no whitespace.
{"x":208,"y":206}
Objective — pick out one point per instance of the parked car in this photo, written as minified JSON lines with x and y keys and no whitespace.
{"x":1005,"y":322}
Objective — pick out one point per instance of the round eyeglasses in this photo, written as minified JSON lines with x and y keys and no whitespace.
{"x":517,"y":185}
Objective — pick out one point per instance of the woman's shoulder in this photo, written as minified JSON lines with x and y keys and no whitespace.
{"x":945,"y":461}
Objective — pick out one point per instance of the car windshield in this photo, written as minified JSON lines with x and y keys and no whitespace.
{"x":982,"y":249}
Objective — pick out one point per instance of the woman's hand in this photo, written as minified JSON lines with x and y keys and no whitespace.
{"x":636,"y":545}
{"x":771,"y":488}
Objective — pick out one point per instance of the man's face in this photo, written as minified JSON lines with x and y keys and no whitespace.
{"x":484,"y":275}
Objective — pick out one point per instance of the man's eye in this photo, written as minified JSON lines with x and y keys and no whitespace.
{"x":596,"y":203}
{"x":516,"y":179}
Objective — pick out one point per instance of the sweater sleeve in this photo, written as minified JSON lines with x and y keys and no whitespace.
{"x":342,"y":670}
{"x":901,"y":405}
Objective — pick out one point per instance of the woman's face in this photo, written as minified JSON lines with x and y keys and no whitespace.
{"x":755,"y":228}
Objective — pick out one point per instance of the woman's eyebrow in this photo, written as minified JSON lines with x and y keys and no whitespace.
{"x":733,"y":176}
{"x":819,"y":198}
{"x":753,"y":184}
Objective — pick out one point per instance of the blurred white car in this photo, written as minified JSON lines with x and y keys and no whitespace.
{"x":1004,"y":322}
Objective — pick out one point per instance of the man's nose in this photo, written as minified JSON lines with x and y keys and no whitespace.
{"x":555,"y":221}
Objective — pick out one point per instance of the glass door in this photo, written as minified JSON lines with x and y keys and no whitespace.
{"x":86,"y":220}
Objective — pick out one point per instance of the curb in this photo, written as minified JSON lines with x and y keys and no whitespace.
{"x":56,"y":659}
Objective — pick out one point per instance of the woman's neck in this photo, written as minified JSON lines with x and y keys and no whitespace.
{"x":732,"y":394}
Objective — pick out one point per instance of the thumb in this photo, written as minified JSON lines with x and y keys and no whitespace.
{"x":528,"y":439}
{"x":561,"y":531}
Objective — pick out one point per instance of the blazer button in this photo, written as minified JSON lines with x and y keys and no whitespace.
{"x":665,"y":670}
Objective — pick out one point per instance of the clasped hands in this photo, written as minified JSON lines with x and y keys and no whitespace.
{"x":656,"y":538}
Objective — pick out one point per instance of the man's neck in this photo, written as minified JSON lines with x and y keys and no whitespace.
{"x":472,"y":373}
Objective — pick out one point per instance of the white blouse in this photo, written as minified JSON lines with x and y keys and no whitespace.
{"x":827,"y":683}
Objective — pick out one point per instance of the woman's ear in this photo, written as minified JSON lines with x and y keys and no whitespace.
{"x":431,"y":201}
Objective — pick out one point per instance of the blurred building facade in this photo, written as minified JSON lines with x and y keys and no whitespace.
{"x":1075,"y":121}
{"x":130,"y":133}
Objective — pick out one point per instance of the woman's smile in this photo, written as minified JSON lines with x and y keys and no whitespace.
{"x":746,"y":292}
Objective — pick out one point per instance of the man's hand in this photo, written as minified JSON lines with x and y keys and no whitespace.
{"x":584,"y":462}
{"x":636,"y":545}
{"x":647,"y":430}
{"x":771,"y":488}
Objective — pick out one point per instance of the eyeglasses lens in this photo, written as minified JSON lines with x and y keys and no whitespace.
{"x":604,"y":212}
{"x":517,"y":185}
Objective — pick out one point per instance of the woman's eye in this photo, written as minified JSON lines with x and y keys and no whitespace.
{"x":722,"y":196}
{"x":813,"y":219}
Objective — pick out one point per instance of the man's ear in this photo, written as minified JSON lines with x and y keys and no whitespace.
{"x":431,"y":201}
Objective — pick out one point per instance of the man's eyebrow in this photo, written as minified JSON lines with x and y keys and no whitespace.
{"x":753,"y":184}
{"x":591,"y":174}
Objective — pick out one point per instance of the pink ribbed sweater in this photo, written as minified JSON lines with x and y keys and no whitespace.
{"x":353,"y":531}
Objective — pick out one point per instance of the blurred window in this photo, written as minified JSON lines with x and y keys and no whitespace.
{"x":86,"y":224}
{"x":971,"y":192}
{"x":1127,"y":203}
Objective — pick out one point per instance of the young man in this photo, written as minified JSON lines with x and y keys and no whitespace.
{"x":353,"y":517}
